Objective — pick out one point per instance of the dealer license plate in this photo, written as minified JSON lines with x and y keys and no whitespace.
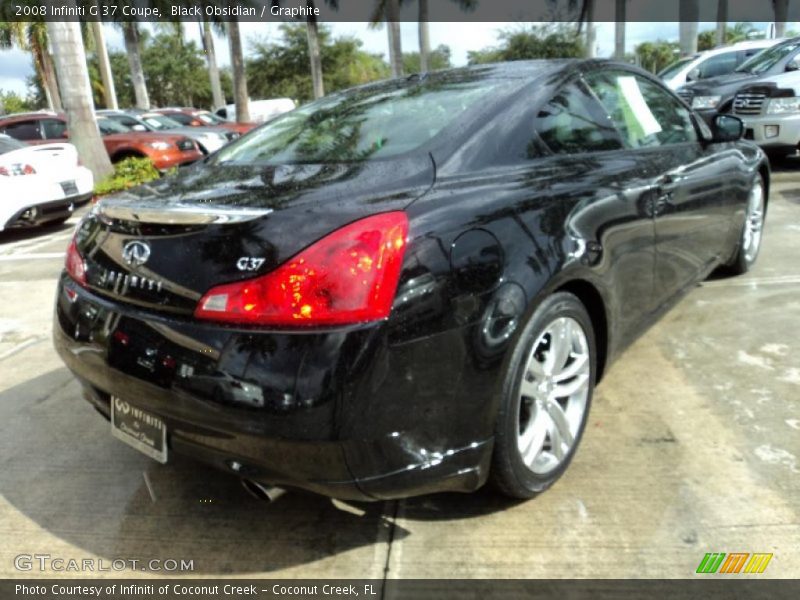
{"x":69,"y":187}
{"x":145,"y":432}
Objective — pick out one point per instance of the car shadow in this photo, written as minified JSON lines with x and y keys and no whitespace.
{"x":61,"y":470}
{"x":32,"y":233}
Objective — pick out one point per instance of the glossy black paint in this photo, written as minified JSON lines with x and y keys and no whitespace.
{"x":405,"y":406}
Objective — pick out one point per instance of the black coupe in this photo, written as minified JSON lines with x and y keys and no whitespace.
{"x":407,"y":287}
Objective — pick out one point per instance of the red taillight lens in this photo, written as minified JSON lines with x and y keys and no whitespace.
{"x":349,"y":276}
{"x":76,"y":267}
{"x":17,"y":169}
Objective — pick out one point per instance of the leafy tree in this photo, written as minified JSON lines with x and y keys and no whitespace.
{"x":281,"y":68}
{"x":11,"y":102}
{"x":438,"y":58}
{"x":654,"y":56}
{"x":707,"y":40}
{"x":541,"y":41}
{"x":32,"y":37}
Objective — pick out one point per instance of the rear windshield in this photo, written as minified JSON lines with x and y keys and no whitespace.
{"x":7,"y":144}
{"x":676,"y":66}
{"x":362,"y":124}
{"x":159,"y":122}
{"x":764,"y":61}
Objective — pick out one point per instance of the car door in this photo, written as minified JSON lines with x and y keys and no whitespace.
{"x":54,"y":130}
{"x":693,"y":202}
{"x":611,"y":186}
{"x":27,"y":130}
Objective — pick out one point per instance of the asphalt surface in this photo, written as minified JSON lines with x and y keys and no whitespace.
{"x":692,"y":447}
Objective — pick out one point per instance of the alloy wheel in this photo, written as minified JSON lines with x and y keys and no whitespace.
{"x":554,"y":394}
{"x":754,"y":222}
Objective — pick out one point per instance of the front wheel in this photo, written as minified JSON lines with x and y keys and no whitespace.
{"x":750,"y":240}
{"x":546,"y":394}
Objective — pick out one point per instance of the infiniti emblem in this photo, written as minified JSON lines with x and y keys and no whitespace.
{"x":136,"y":253}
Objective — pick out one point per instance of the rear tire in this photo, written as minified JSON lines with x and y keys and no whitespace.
{"x":752,"y":230}
{"x":546,"y":395}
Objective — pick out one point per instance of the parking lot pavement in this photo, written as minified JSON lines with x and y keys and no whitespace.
{"x":692,"y":447}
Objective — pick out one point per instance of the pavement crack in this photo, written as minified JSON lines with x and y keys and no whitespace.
{"x":390,"y":542}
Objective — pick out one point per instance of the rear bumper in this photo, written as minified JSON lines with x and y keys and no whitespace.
{"x":40,"y":213}
{"x":342,"y":413}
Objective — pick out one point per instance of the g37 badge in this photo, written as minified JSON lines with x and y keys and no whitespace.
{"x":249,"y":263}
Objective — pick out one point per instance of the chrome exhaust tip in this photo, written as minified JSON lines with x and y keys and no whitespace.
{"x":267,"y":493}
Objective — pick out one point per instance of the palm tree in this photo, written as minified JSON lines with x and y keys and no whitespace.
{"x":781,"y":9}
{"x":688,"y":11}
{"x":423,"y":30}
{"x":73,"y":79}
{"x":32,"y":37}
{"x":240,"y":96}
{"x":722,"y":20}
{"x":591,"y":31}
{"x":314,"y":54}
{"x":213,"y":70}
{"x":388,"y":11}
{"x":131,"y":36}
{"x":619,"y":29}
{"x":109,"y":90}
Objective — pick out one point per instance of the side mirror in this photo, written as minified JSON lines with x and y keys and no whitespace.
{"x":727,"y":128}
{"x":693,"y":75}
{"x":793,"y":65}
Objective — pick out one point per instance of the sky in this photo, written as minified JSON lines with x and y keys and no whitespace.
{"x":16,"y":66}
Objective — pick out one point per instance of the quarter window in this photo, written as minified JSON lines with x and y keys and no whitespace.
{"x":24,"y":130}
{"x":645,"y":114}
{"x":572,"y":122}
{"x":54,"y":129}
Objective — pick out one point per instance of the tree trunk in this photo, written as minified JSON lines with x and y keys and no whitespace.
{"x":73,"y":77}
{"x":109,"y":91}
{"x":424,"y":37}
{"x":395,"y":43}
{"x":48,"y":76}
{"x":591,"y":31}
{"x":619,"y":29}
{"x":781,"y":13}
{"x":130,"y":31}
{"x":213,"y":70}
{"x":314,"y":55}
{"x":722,"y":20}
{"x":688,"y":13}
{"x":239,"y":75}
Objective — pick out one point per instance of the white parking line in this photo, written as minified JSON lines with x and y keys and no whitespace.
{"x":26,"y":245}
{"x":40,"y":256}
{"x":754,"y":281}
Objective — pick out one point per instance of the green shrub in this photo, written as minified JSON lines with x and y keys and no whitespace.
{"x":127,"y":173}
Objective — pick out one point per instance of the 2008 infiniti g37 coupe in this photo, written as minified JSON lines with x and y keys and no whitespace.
{"x":407,"y":287}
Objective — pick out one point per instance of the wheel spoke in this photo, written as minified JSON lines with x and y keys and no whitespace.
{"x":560,"y":346}
{"x":535,"y":369}
{"x":579,"y":363}
{"x":531,"y":441}
{"x":560,"y":432}
{"x":568,"y":389}
{"x":529,"y":389}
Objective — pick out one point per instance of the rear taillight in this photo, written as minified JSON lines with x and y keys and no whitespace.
{"x":349,"y":276}
{"x":19,"y":169}
{"x":76,"y":266}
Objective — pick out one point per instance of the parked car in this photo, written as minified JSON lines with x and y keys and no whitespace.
{"x":165,"y":150}
{"x":41,"y":184}
{"x":770,"y":109}
{"x":425,"y":277}
{"x":208,"y":139}
{"x":715,"y":95}
{"x":260,"y":110}
{"x":712,"y":63}
{"x":192,"y":117}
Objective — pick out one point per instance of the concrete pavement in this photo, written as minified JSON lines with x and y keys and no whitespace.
{"x":692,"y":447}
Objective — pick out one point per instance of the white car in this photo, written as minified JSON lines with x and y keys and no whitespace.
{"x":260,"y":110}
{"x":40,"y":184}
{"x":711,"y":63}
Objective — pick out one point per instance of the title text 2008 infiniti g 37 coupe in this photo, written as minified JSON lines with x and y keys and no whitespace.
{"x":407,"y":287}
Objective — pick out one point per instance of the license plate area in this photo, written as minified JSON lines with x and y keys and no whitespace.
{"x":69,"y":187}
{"x":139,"y":429}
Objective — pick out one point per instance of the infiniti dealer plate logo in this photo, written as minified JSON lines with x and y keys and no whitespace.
{"x":135,"y":253}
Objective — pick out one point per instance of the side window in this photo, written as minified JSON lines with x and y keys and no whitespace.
{"x":24,"y":130}
{"x":721,"y":64}
{"x":645,"y":114}
{"x":572,"y":122}
{"x":181,"y":118}
{"x":54,"y":129}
